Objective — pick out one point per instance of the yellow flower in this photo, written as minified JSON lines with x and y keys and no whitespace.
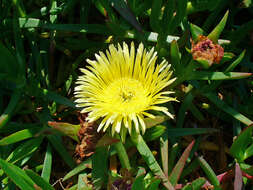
{"x":121,"y":87}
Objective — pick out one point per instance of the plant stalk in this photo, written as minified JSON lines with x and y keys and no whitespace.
{"x":122,"y":154}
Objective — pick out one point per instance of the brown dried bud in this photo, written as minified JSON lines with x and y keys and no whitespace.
{"x":206,"y":50}
{"x":88,"y":137}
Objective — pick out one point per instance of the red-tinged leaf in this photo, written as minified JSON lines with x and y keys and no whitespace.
{"x":106,"y":140}
{"x":205,"y":75}
{"x":247,"y":175}
{"x":164,"y":146}
{"x":177,"y":170}
{"x":66,"y":128}
{"x":225,"y":176}
{"x":238,"y":177}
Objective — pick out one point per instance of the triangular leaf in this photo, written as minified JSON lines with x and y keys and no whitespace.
{"x":215,"y":34}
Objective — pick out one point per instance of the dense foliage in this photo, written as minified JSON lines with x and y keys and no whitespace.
{"x":46,"y":143}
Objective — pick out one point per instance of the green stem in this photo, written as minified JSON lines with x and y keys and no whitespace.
{"x":150,"y":159}
{"x":5,"y":117}
{"x":122,"y":154}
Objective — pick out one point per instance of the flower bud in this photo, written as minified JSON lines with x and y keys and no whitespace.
{"x":205,"y":50}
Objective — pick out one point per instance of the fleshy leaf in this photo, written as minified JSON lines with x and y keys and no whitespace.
{"x":238,"y":177}
{"x":154,"y":132}
{"x":227,"y":57}
{"x":24,"y":149}
{"x":195,"y":31}
{"x":153,"y":122}
{"x":85,"y":164}
{"x":17,"y":175}
{"x":241,"y":143}
{"x":196,"y":184}
{"x":138,"y":183}
{"x":177,"y":170}
{"x":39,"y":180}
{"x":215,"y":34}
{"x":99,"y":167}
{"x":154,"y":17}
{"x":204,"y":63}
{"x":205,"y":75}
{"x":247,"y":168}
{"x":179,"y":132}
{"x":66,"y":128}
{"x":149,"y":158}
{"x":47,"y":165}
{"x":125,"y":12}
{"x":175,"y":55}
{"x":19,"y":136}
{"x":209,"y":172}
{"x":231,"y":111}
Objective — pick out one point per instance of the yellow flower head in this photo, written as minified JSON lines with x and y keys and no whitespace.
{"x":121,"y":87}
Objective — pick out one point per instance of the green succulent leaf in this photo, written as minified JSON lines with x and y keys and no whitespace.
{"x":175,"y":56}
{"x":205,"y":75}
{"x":125,"y":12}
{"x":99,"y":167}
{"x":149,"y":158}
{"x":204,"y":63}
{"x":154,"y":132}
{"x":39,"y":180}
{"x":18,"y":176}
{"x":138,"y":183}
{"x":85,"y":164}
{"x":24,"y":149}
{"x":226,"y":108}
{"x":215,"y":34}
{"x":195,"y":32}
{"x":239,"y":146}
{"x":196,"y":184}
{"x":47,"y":165}
{"x":19,"y":136}
{"x":209,"y":172}
{"x":246,"y":168}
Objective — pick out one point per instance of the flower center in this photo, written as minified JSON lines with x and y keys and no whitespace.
{"x":125,"y":96}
